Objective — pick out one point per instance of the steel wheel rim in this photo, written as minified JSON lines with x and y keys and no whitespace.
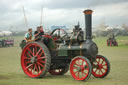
{"x":31,"y":66}
{"x":76,"y":65}
{"x":101,"y":68}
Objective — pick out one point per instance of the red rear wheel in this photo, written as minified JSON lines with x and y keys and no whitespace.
{"x":35,"y":60}
{"x":80,"y":68}
{"x":101,"y":67}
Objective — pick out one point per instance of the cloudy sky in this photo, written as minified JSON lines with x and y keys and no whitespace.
{"x":61,"y":12}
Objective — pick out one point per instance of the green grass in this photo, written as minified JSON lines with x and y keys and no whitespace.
{"x":11,"y":72}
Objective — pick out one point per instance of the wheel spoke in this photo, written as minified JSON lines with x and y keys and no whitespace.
{"x":104,"y":68}
{"x":104,"y":65}
{"x":41,"y":58}
{"x":75,"y":67}
{"x":39,"y":68}
{"x":84,"y":73}
{"x":96,"y":70}
{"x":77,"y":64}
{"x":86,"y":69}
{"x":27,"y":58}
{"x":42,"y":61}
{"x":27,"y":62}
{"x":36,"y":68}
{"x":35,"y":49}
{"x":101,"y":71}
{"x":40,"y":54}
{"x":102,"y":62}
{"x":75,"y":72}
{"x":99,"y":60}
{"x":38,"y":51}
{"x":28,"y":66}
{"x":33,"y":52}
{"x":78,"y":74}
{"x":31,"y":68}
{"x":79,"y":61}
{"x":30,"y":51}
{"x":40,"y":64}
{"x":29,"y":55}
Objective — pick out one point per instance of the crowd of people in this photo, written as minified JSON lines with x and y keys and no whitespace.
{"x":37,"y":34}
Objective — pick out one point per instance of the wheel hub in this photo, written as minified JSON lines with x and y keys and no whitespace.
{"x":81,"y":68}
{"x":100,"y":66}
{"x":34,"y":59}
{"x":78,"y":69}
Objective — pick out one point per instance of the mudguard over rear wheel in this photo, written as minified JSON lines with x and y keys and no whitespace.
{"x":35,"y":59}
{"x":80,"y":68}
{"x":101,"y":67}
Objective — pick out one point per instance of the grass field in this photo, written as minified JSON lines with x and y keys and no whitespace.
{"x":12,"y":74}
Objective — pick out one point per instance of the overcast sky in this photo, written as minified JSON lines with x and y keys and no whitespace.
{"x":61,"y":12}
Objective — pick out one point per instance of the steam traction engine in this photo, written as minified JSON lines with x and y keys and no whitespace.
{"x":58,"y":52}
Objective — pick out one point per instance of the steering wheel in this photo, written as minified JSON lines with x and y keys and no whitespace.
{"x":59,"y":34}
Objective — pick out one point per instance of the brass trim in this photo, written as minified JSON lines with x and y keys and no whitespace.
{"x":59,"y":46}
{"x":81,"y":45}
{"x":69,"y":46}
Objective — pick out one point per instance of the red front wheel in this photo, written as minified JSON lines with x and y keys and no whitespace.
{"x":35,"y":60}
{"x":80,"y":68}
{"x":101,"y":67}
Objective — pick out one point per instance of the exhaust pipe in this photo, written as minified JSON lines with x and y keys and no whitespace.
{"x":88,"y":24}
{"x":89,"y":45}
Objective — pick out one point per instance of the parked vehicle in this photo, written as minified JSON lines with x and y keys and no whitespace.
{"x":7,"y":42}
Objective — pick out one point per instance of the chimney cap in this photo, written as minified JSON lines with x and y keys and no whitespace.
{"x":88,"y":11}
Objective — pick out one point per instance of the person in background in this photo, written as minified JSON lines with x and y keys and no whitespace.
{"x":37,"y":34}
{"x":28,"y":35}
{"x":41,"y":30}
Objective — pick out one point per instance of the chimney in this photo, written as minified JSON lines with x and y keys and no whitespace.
{"x":88,"y":24}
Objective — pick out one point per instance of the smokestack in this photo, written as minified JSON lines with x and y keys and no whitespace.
{"x":88,"y":24}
